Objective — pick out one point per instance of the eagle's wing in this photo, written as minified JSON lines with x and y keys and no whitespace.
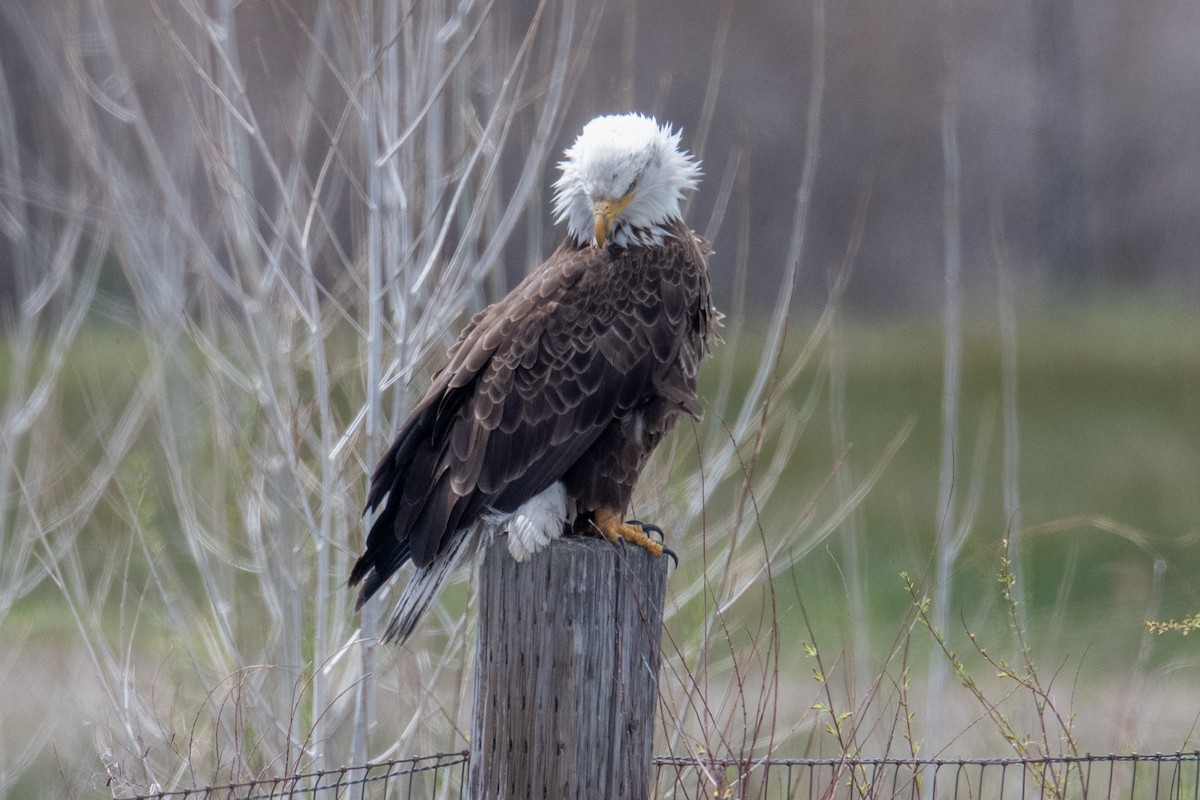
{"x":531,"y":384}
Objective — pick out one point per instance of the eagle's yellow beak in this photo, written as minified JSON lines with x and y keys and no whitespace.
{"x":607,"y":212}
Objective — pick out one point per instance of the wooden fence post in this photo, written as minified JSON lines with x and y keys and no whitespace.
{"x":566,"y":681}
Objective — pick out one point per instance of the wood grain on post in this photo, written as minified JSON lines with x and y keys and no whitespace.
{"x":566,"y":682}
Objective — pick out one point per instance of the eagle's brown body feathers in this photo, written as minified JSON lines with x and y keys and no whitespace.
{"x":575,"y":376}
{"x":554,"y":397}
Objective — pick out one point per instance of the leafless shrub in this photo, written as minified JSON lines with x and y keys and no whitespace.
{"x":294,"y":217}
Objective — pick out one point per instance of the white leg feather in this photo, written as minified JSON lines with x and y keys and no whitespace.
{"x":538,"y":521}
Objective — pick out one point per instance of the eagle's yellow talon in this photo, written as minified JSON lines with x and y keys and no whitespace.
{"x":610,"y":526}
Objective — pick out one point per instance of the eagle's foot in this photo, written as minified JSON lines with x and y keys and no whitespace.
{"x":650,"y":527}
{"x":610,"y":526}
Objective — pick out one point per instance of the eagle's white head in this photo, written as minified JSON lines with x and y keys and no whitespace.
{"x":622,"y":181}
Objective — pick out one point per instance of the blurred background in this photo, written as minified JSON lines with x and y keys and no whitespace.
{"x":958,"y":245}
{"x":1077,"y":123}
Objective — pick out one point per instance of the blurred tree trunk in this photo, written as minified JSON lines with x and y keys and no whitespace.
{"x":1063,"y":238}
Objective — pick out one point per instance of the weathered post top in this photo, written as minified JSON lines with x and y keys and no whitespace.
{"x":566,"y":678}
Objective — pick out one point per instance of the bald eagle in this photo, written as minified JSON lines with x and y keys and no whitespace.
{"x":554,"y":397}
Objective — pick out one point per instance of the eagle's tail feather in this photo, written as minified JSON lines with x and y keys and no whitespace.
{"x":426,"y":583}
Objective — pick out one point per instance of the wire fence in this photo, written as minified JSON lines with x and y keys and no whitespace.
{"x":1173,"y":776}
{"x":442,"y":775}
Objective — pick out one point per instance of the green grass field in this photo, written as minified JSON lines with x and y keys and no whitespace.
{"x":1109,"y":419}
{"x":1109,"y":416}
